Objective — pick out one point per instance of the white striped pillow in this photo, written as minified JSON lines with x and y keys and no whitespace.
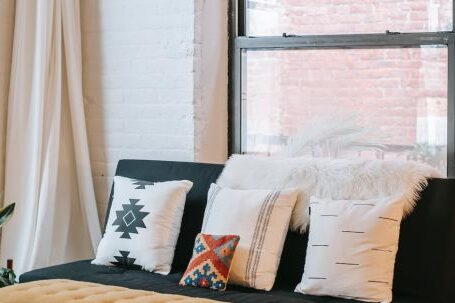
{"x":261,"y":219}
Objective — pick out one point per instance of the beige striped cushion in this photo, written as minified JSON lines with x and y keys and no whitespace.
{"x":261,"y":219}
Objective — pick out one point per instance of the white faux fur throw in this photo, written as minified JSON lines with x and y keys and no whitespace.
{"x":341,"y":179}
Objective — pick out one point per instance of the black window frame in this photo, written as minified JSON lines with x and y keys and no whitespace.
{"x":239,"y":41}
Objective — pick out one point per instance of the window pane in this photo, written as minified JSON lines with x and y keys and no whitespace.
{"x":372,"y":103}
{"x":274,"y":17}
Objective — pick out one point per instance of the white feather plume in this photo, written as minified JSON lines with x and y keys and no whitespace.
{"x":330,"y":137}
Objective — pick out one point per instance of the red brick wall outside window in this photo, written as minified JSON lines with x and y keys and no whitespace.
{"x":399,"y":95}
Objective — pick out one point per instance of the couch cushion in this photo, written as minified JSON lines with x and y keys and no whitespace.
{"x":211,"y":262}
{"x":261,"y":219}
{"x":201,"y":174}
{"x":137,"y":279}
{"x":352,"y":248}
{"x":144,"y":224}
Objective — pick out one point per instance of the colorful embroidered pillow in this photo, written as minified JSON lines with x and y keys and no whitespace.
{"x":211,"y":262}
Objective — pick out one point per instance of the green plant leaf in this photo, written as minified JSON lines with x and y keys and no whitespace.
{"x":12,"y":278}
{"x":4,"y":282}
{"x":7,"y":277}
{"x":6,"y":213}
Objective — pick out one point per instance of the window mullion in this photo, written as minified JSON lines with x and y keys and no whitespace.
{"x":345,"y":41}
{"x":451,"y":111}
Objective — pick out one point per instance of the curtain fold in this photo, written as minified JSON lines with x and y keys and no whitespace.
{"x":47,"y":167}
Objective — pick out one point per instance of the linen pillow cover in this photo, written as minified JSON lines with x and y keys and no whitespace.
{"x":351,"y":250}
{"x":261,"y":219}
{"x":211,"y":262}
{"x":143,"y":224}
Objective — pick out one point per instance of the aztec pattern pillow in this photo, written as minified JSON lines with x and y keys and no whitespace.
{"x":351,"y":249}
{"x":143,"y":224}
{"x":261,"y":219}
{"x":211,"y":262}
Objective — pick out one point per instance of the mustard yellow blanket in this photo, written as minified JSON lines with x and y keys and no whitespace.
{"x":67,"y":291}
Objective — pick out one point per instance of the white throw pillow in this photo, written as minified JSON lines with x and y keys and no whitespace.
{"x":351,"y":248}
{"x":261,"y":219}
{"x":143,"y":225}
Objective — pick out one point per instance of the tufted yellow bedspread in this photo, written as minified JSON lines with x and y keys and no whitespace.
{"x":67,"y":291}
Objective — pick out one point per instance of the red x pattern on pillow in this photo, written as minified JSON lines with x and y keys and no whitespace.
{"x":211,"y":262}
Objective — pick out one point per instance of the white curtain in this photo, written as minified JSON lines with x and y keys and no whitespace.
{"x":47,"y":170}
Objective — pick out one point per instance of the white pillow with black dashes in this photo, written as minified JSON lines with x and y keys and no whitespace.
{"x":351,"y":248}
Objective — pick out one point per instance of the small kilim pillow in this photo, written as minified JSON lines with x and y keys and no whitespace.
{"x":211,"y":262}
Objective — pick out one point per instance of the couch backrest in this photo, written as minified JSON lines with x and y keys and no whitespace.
{"x":201,"y":174}
{"x":425,"y":264}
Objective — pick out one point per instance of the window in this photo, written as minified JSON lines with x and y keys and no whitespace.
{"x":345,"y":73}
{"x":313,"y":17}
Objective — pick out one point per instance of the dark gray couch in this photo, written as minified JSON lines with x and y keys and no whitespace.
{"x":425,"y":268}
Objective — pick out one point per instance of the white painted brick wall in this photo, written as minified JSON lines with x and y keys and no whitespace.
{"x":143,"y":85}
{"x":6,"y":34}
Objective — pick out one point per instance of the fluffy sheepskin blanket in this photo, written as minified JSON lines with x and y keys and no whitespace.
{"x":328,"y":178}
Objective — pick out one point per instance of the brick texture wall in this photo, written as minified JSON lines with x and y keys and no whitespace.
{"x":401,"y":94}
{"x":145,"y":83}
{"x":348,"y":16}
{"x":6,"y":35}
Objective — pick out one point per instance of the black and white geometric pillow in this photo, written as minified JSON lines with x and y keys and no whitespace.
{"x":143,"y":224}
{"x":351,"y":250}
